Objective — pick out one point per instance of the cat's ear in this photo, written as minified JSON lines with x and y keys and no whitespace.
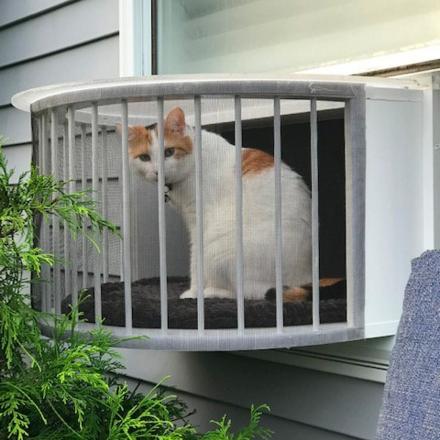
{"x":175,"y":121}
{"x":134,"y":132}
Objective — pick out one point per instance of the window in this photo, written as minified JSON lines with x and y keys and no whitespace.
{"x":217,"y":36}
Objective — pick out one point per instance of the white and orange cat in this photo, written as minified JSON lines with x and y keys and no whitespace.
{"x":218,"y":157}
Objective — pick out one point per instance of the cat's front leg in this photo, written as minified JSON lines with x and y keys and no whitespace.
{"x":192,"y":291}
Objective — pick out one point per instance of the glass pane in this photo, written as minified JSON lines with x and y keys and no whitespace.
{"x":239,"y":36}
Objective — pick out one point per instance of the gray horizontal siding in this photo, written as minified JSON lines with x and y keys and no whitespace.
{"x":74,"y":24}
{"x":33,"y":40}
{"x":93,"y":61}
{"x":96,"y":60}
{"x":15,"y":126}
{"x":207,"y":410}
{"x":338,"y":404}
{"x":18,"y":158}
{"x":13,"y":10}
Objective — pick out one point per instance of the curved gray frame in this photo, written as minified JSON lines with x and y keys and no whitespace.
{"x":134,"y":90}
{"x":351,"y":93}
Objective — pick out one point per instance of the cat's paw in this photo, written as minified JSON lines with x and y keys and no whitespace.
{"x":214,"y":292}
{"x":188,"y":294}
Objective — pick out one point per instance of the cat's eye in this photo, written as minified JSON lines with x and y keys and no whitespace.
{"x":169,"y":152}
{"x":144,"y":157}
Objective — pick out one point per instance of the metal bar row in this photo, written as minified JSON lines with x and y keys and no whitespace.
{"x":63,"y":167}
{"x":101,"y":262}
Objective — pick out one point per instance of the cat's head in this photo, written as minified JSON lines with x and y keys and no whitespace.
{"x":143,"y":148}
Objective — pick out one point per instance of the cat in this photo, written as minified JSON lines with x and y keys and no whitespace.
{"x":218,"y":158}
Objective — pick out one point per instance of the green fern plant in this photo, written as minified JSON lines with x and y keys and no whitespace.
{"x":223,"y":429}
{"x":67,"y":387}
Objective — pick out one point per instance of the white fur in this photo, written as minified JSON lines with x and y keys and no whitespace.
{"x":219,"y":219}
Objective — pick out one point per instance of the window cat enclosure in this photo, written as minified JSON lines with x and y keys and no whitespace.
{"x":135,"y":283}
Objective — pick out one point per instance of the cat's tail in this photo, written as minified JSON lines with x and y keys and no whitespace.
{"x":328,"y":288}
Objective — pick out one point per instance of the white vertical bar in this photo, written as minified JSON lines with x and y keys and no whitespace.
{"x":349,"y":211}
{"x":126,"y":218}
{"x":315,"y":213}
{"x":40,"y":231}
{"x":95,"y":188}
{"x":84,"y":264}
{"x":199,"y":214}
{"x":121,"y":244}
{"x":239,"y":266}
{"x":67,"y":290}
{"x":355,"y":146}
{"x":134,"y":230}
{"x":162,"y":225}
{"x":72,"y":188}
{"x":47,"y":168}
{"x":104,"y":202}
{"x":40,"y":143}
{"x":121,"y":262}
{"x":55,"y":219}
{"x":45,"y":302}
{"x":278,"y":215}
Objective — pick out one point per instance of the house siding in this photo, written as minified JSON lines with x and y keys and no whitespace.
{"x":48,"y":41}
{"x":13,"y":11}
{"x":327,"y":406}
{"x":207,"y":409}
{"x":45,"y":42}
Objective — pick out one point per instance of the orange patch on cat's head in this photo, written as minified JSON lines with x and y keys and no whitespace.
{"x":255,"y":161}
{"x":175,"y":133}
{"x":139,"y":139}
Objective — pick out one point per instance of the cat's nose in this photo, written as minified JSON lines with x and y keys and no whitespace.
{"x":156,"y":173}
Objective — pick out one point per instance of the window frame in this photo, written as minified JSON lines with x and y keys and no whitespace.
{"x":136,"y":37}
{"x":138,"y":49}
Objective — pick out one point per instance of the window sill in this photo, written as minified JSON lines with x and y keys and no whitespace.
{"x":364,"y":360}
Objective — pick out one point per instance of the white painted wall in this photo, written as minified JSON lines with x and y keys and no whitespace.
{"x":394,"y":225}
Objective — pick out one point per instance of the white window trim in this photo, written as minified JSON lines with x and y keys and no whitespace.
{"x":393,"y":60}
{"x":134,"y":37}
